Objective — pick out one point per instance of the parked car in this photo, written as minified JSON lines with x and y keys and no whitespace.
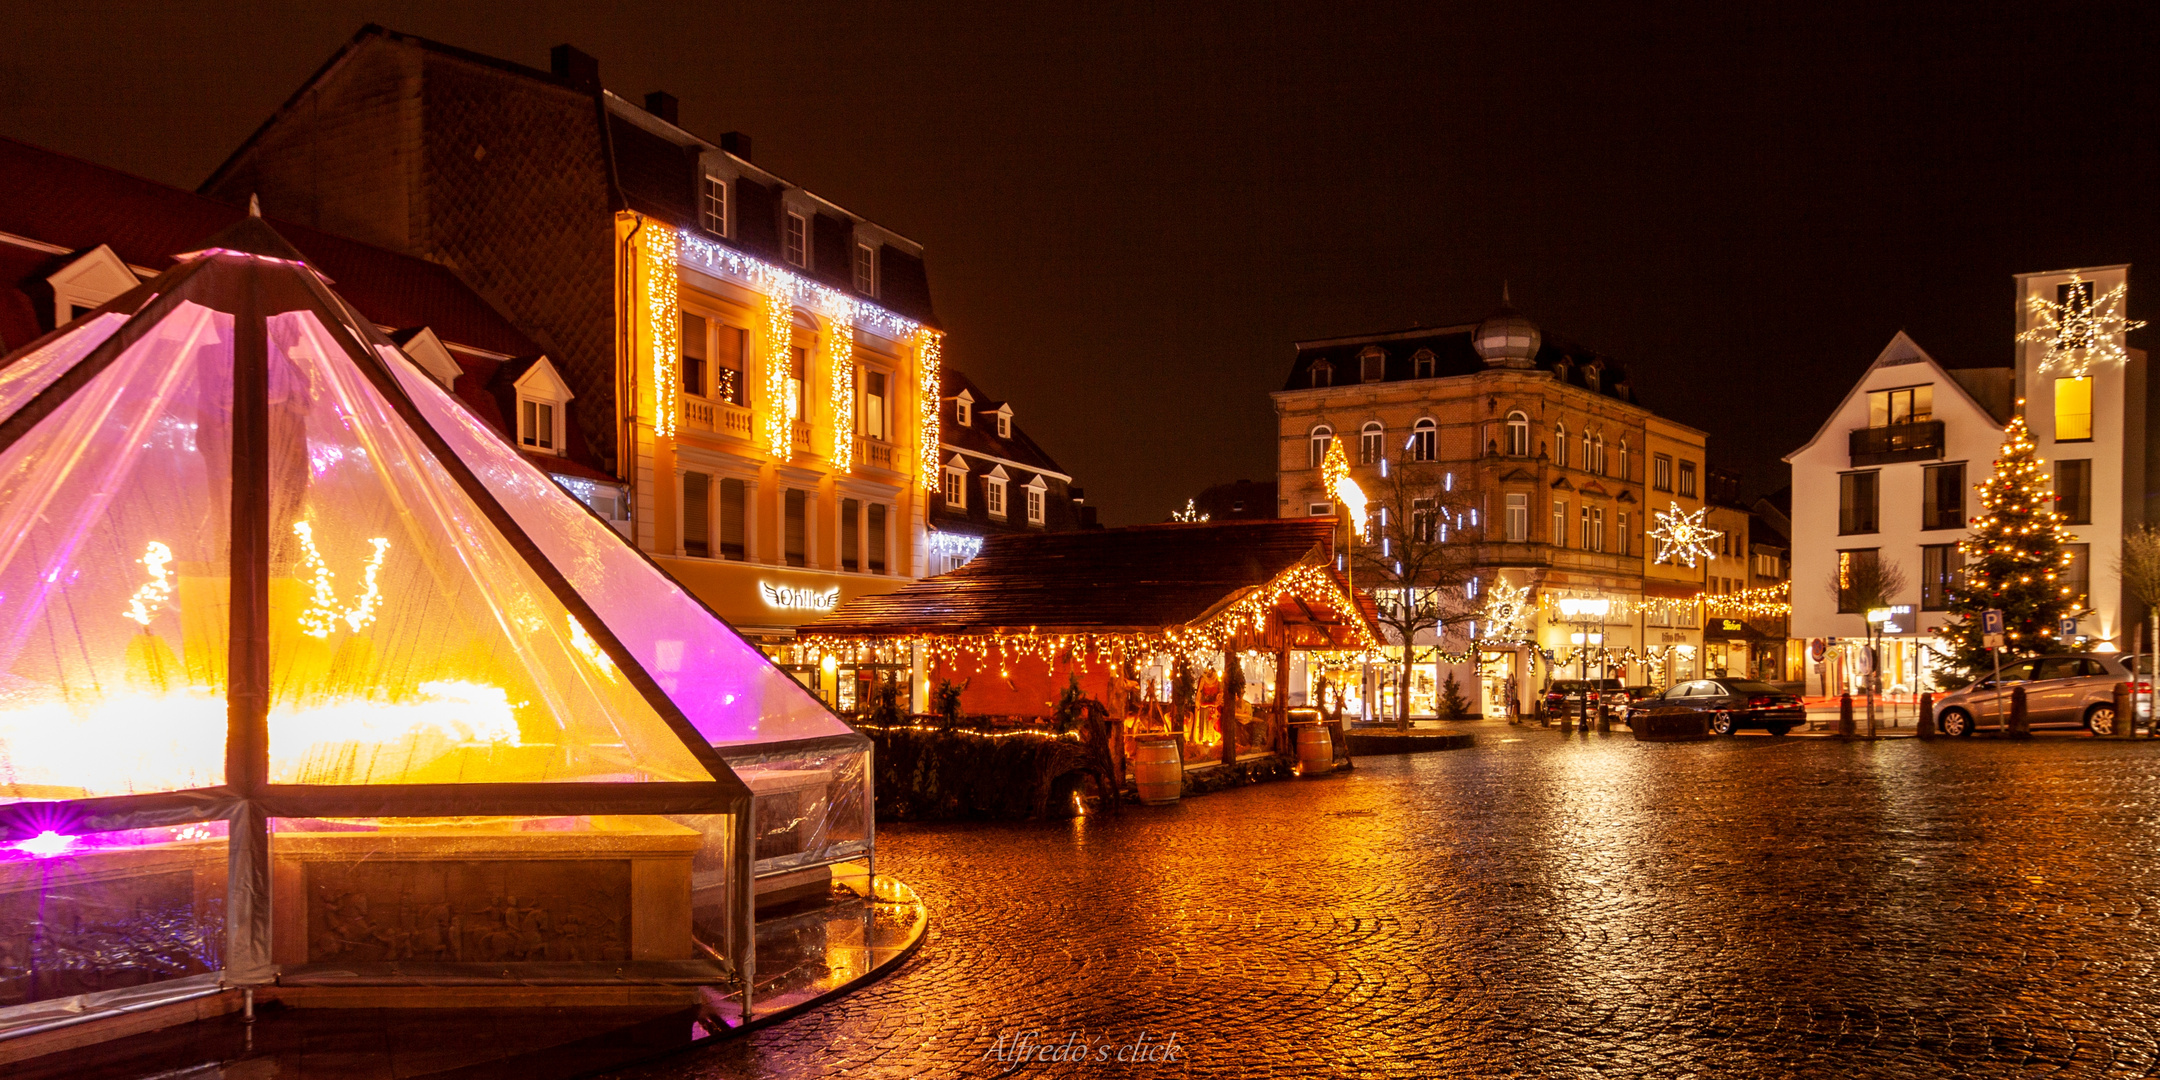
{"x":1635,"y":696}
{"x":1732,"y":704}
{"x":2070,"y":690}
{"x":1564,"y":696}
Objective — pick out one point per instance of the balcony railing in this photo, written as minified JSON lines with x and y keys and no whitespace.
{"x":1915,"y":441}
{"x":734,"y":420}
{"x":876,"y":453}
{"x":802,"y":434}
{"x":697,"y":414}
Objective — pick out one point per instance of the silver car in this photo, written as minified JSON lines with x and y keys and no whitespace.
{"x":2074,"y":690}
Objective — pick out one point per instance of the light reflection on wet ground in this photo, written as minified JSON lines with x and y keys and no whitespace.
{"x":1553,"y":906}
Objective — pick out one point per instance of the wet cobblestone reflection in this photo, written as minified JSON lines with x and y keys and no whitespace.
{"x":1748,"y":907}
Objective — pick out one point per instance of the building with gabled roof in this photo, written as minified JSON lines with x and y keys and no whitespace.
{"x":993,"y":477}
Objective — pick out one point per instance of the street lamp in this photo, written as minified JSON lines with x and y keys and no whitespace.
{"x":1585,"y":612}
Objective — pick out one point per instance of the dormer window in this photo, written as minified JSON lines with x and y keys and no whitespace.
{"x":796,"y":243}
{"x":541,"y":414}
{"x":994,"y":491}
{"x":866,"y":269}
{"x":963,"y":409}
{"x":1372,"y":365}
{"x":953,"y":485}
{"x":712,"y":204}
{"x":1323,"y":373}
{"x":1004,"y":421}
{"x":83,"y":285}
{"x":1036,"y":501}
{"x":1424,"y":363}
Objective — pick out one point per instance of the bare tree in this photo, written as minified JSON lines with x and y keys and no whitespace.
{"x":1858,"y":585}
{"x":1419,"y":560}
{"x":2139,"y":567}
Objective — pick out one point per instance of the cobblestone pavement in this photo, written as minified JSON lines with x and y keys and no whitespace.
{"x":1545,"y":906}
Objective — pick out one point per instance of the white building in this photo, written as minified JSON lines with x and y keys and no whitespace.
{"x":1892,"y":475}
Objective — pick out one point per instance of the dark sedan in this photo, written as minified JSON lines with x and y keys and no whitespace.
{"x":1732,"y":704}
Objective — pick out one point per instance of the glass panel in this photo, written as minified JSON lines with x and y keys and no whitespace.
{"x":729,"y":690}
{"x":409,"y":642}
{"x":812,"y":809}
{"x":27,"y":376}
{"x":103,"y":912}
{"x":114,"y":559}
{"x":2073,"y":409}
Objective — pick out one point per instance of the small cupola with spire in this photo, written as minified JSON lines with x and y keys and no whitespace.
{"x":1507,"y":338}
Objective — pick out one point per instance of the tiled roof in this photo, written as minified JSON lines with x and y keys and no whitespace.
{"x":1136,"y":579}
{"x":980,"y":436}
{"x":1452,"y":355}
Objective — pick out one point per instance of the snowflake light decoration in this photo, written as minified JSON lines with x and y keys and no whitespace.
{"x":2081,"y":332}
{"x":1682,"y":536}
{"x":1505,"y":606}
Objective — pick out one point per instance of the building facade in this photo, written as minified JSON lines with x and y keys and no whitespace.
{"x":992,"y":478}
{"x":1561,"y":470}
{"x":756,"y":366}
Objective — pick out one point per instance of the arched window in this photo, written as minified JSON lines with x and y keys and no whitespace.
{"x":1586,"y":462}
{"x":1518,"y":435}
{"x":1599,"y":466}
{"x":1369,"y":449}
{"x":1559,"y":444}
{"x":1624,"y":467}
{"x":1425,"y":441}
{"x":1321,"y":437}
{"x":1424,"y":363}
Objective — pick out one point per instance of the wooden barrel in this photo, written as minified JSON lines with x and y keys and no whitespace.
{"x":1315,"y":749}
{"x":1158,"y":768}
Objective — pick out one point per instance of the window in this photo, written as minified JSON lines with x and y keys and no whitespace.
{"x":866,"y":269}
{"x":1597,"y":528}
{"x":1035,"y":503}
{"x":954,"y":488}
{"x":1620,"y":533}
{"x":694,"y":359}
{"x":1518,"y":518}
{"x":796,"y":243}
{"x":1323,"y":373}
{"x":1661,"y":472}
{"x":963,"y":410}
{"x":1941,"y":565}
{"x":1321,"y":437}
{"x":1424,"y":520}
{"x":1687,"y":479}
{"x":1586,"y":461}
{"x":795,"y":527}
{"x":536,"y":425}
{"x":1626,"y":469}
{"x":712,"y":205}
{"x":2073,"y":490}
{"x":1559,"y":523}
{"x":1424,"y":441}
{"x":1856,"y":503}
{"x":2076,"y":576}
{"x":697,"y":514}
{"x":1518,"y":435}
{"x":1372,"y":365}
{"x":729,"y":343}
{"x":1368,"y":444}
{"x":1905,"y":405}
{"x":871,"y":414}
{"x":1587,"y":539}
{"x":798,"y":382}
{"x":2073,"y":410}
{"x":1423,"y":363}
{"x":1319,"y":509}
{"x":994,"y":496}
{"x":1559,"y":445}
{"x":1597,"y":463}
{"x":850,"y":535}
{"x":1847,"y":560}
{"x":733,"y":527}
{"x":1942,"y":496}
{"x":1004,"y":423}
{"x":877,"y":538}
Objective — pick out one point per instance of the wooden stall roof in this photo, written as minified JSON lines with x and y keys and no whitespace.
{"x":1137,"y":579}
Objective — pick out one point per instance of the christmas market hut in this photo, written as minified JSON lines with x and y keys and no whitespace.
{"x":1209,"y":631}
{"x":308,"y":680}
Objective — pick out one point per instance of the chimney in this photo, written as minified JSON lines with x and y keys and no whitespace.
{"x":662,"y":104}
{"x":736,"y":143}
{"x":575,"y":67}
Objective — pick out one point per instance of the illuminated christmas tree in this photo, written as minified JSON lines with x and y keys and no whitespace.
{"x":2014,"y":561}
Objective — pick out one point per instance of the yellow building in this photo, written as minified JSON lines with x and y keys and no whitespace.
{"x":1671,"y":616}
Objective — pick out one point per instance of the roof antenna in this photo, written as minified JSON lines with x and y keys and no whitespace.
{"x":254,"y":206}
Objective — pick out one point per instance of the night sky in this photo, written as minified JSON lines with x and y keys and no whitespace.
{"x":1131,"y":212}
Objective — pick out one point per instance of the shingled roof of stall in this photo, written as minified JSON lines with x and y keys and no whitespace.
{"x":1127,"y":580}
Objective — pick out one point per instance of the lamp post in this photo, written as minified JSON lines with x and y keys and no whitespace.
{"x":1585,"y":612}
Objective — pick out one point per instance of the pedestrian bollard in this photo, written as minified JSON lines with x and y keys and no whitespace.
{"x":1604,"y":718}
{"x":1927,"y":716}
{"x":2019,"y":728}
{"x":2125,"y":712}
{"x":1844,"y":716}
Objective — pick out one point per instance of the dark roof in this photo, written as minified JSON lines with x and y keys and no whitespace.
{"x":1452,"y":355}
{"x":71,"y":203}
{"x":1136,"y":579}
{"x":980,"y":436}
{"x":1238,"y":500}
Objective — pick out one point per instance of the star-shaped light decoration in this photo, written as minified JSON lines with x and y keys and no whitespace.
{"x":2082,"y":332}
{"x":1335,"y":476}
{"x":1505,"y":606}
{"x":1683,"y":537}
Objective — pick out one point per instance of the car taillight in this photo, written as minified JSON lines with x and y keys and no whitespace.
{"x":2140,"y":688}
{"x":1761,"y":702}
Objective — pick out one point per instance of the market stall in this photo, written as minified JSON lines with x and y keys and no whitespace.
{"x":307,"y":678}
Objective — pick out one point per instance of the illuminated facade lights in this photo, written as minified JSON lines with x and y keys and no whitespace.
{"x":664,"y":323}
{"x":2081,"y":330}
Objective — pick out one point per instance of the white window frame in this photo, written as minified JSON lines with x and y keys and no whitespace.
{"x":542,"y":385}
{"x":795,"y":239}
{"x":89,"y":282}
{"x":1037,"y":501}
{"x":964,"y":409}
{"x":1004,"y":421}
{"x":1518,"y":517}
{"x":1317,"y":441}
{"x":1518,"y":434}
{"x":1319,"y":509}
{"x":863,"y":411}
{"x":1320,"y":375}
{"x":1425,"y":441}
{"x":866,"y":276}
{"x":995,"y":490}
{"x":954,"y":489}
{"x":713,"y":204}
{"x":1559,"y":439}
{"x":1559,"y":523}
{"x":1372,"y":443}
